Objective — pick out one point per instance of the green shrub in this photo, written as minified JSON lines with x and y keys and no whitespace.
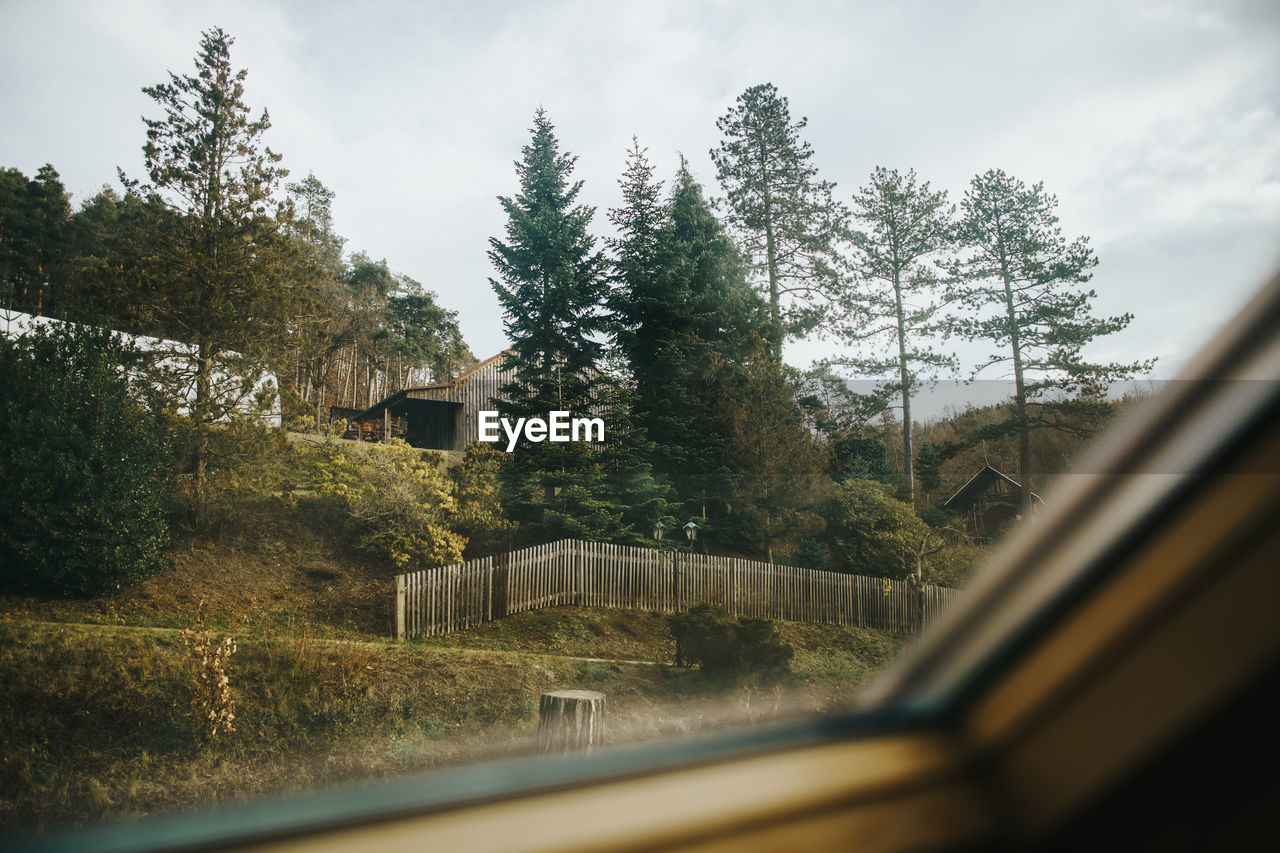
{"x":871,"y":533}
{"x":396,"y":501}
{"x":479,"y":516}
{"x":248,"y":464}
{"x":708,"y":636}
{"x":82,"y":464}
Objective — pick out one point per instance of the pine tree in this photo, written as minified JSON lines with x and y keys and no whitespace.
{"x":33,"y":223}
{"x":905,"y":223}
{"x":683,"y":309}
{"x":780,"y":468}
{"x":1017,"y":281}
{"x":928,"y":468}
{"x":786,"y":221}
{"x":552,"y":287}
{"x":220,"y":280}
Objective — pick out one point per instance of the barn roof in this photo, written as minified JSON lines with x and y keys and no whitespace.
{"x":426,"y":394}
{"x":981,"y":483}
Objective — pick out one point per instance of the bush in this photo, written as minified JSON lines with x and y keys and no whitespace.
{"x":248,"y":463}
{"x":872,"y":533}
{"x":83,"y":466}
{"x":708,"y":636}
{"x":479,"y":516}
{"x":396,"y":501}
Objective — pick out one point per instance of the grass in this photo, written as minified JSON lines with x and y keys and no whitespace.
{"x":96,"y":719}
{"x":95,"y":694}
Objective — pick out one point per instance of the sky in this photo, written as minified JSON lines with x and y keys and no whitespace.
{"x":1155,"y":124}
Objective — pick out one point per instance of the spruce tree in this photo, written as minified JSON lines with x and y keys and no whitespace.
{"x":552,"y":287}
{"x":895,"y":301}
{"x":1018,"y":281}
{"x":683,"y":309}
{"x":785,"y":219}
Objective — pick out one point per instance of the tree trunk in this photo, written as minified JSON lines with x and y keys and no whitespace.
{"x":570,"y":721}
{"x":908,"y":460}
{"x":1020,"y":392}
{"x":202,"y":417}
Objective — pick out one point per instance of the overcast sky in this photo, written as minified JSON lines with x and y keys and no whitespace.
{"x":1155,"y":123}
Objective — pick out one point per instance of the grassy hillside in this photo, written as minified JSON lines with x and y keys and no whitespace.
{"x":96,"y":719}
{"x":96,"y":694}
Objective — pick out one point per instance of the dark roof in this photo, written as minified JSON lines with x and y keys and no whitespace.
{"x":401,"y":399}
{"x":979,"y":484}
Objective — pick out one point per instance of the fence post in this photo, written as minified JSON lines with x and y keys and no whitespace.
{"x":400,"y":603}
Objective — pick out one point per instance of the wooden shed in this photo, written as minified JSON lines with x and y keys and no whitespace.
{"x":437,"y":417}
{"x":989,"y":499}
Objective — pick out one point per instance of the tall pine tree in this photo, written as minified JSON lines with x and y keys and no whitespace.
{"x":684,"y":309}
{"x":896,"y":301}
{"x":1018,"y":280}
{"x":785,"y":219}
{"x":218,"y":283}
{"x":552,"y":286}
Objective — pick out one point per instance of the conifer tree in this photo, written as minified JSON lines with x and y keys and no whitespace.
{"x":1018,"y":282}
{"x":219,"y":282}
{"x":683,"y":310}
{"x":552,"y":287}
{"x":785,"y":219}
{"x":895,"y":300}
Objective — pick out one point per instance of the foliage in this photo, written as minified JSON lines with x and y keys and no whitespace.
{"x":34,"y":216}
{"x":781,"y":469}
{"x":80,"y":500}
{"x":927,"y":468}
{"x":218,"y":279}
{"x":706,"y":635}
{"x":1017,"y":284}
{"x":905,"y":223}
{"x":785,"y":219}
{"x":552,"y":288}
{"x":213,"y":706}
{"x":247,"y":463}
{"x":813,"y":554}
{"x":396,"y":501}
{"x":479,"y":516}
{"x":871,"y":533}
{"x":682,"y":309}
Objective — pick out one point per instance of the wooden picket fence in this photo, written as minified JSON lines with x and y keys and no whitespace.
{"x":595,"y":574}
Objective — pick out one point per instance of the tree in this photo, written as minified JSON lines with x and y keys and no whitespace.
{"x":682,"y":309}
{"x":904,"y":224}
{"x":779,"y":466}
{"x":111,"y":246}
{"x":927,"y":464}
{"x":786,"y":221}
{"x":222,"y":266}
{"x":552,"y":288}
{"x":81,"y":507}
{"x":1017,"y":282}
{"x":33,"y":220}
{"x":872,"y":533}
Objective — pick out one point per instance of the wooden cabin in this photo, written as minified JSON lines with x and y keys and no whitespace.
{"x":436,"y":417}
{"x":989,"y":500}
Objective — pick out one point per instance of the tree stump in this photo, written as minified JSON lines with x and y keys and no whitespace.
{"x":570,"y":721}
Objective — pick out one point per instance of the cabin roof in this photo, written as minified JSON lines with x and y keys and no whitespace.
{"x":981,"y":483}
{"x":405,"y":397}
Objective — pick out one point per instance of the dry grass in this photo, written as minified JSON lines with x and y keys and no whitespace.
{"x":95,"y":720}
{"x":280,"y":570}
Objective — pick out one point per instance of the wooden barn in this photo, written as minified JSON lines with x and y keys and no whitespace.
{"x":436,"y":417}
{"x":989,"y":500}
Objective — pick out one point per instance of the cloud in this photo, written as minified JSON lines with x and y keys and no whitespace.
{"x":1155,"y":123}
